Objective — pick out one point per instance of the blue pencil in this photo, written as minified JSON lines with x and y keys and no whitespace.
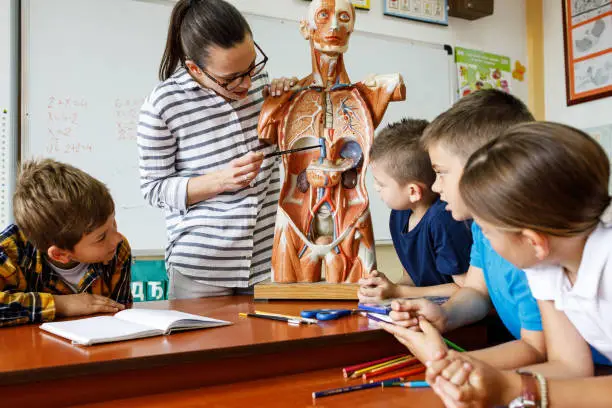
{"x":407,"y":384}
{"x":380,"y":309}
{"x":343,"y":390}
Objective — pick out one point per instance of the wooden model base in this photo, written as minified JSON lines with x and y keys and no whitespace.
{"x":320,"y":291}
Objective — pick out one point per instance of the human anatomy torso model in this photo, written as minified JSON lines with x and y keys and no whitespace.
{"x":323,"y":226}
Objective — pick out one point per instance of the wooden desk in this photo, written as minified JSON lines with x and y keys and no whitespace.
{"x":39,"y":368}
{"x":284,"y":392}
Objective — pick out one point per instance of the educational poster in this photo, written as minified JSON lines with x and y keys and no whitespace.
{"x":603,"y":134}
{"x":481,"y":70}
{"x":587,"y":30}
{"x":430,"y":11}
{"x":361,"y":4}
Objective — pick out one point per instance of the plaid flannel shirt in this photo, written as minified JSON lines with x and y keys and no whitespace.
{"x":28,"y":283}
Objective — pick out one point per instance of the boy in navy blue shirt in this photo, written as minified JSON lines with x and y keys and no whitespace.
{"x":433,"y":248}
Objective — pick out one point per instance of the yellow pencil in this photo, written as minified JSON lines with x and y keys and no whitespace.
{"x":358,"y":373}
{"x":303,"y":319}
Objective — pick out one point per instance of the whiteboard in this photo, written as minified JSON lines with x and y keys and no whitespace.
{"x":89,"y":64}
{"x":9,"y":17}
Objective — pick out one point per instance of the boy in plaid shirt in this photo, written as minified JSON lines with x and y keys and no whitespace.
{"x":64,"y":256}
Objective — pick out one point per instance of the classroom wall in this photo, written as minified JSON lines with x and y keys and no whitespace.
{"x":502,"y":33}
{"x":584,"y":115}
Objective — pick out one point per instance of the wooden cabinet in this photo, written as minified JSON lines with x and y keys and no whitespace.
{"x":470,"y":9}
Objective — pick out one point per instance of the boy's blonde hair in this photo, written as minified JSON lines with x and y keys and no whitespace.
{"x":474,"y":120}
{"x":542,"y":176}
{"x":398,"y":147}
{"x":56,"y":204}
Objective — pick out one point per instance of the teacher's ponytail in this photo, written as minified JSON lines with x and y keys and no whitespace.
{"x":195,"y":26}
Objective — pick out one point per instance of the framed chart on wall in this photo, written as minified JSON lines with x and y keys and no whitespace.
{"x":429,"y":11}
{"x":587,"y":32}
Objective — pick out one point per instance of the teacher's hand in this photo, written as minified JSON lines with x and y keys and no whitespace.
{"x":241,"y":171}
{"x":278,"y":86}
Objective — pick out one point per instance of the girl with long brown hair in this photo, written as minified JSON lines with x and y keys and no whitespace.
{"x":540,"y":192}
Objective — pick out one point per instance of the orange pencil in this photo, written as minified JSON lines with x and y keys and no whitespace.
{"x":351,"y":369}
{"x":401,"y":374}
{"x":389,"y":368}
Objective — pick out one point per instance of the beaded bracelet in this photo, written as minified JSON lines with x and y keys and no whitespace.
{"x":543,"y":389}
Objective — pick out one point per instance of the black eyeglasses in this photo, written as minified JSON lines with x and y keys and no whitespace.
{"x":236,"y":81}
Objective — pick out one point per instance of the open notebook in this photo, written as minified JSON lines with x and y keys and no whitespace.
{"x":128,"y":324}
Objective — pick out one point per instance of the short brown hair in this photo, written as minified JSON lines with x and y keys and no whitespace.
{"x":56,"y":204}
{"x":399,"y":147}
{"x":474,"y":120}
{"x":542,"y":176}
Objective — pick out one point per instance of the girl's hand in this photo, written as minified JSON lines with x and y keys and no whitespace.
{"x":463,"y":382}
{"x":426,"y":345}
{"x":278,"y":86}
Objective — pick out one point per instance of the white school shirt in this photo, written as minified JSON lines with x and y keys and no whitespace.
{"x":184,"y":131}
{"x":588,"y":304}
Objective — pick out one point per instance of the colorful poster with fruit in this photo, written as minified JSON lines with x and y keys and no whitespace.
{"x":481,"y":70}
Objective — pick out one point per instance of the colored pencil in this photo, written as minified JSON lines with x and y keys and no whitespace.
{"x":453,"y":345}
{"x":300,"y":318}
{"x":343,"y":390}
{"x":350,"y":369}
{"x":390,"y":368}
{"x":358,"y":373}
{"x":400,"y":374}
{"x":379,"y":318}
{"x":407,"y":384}
{"x":380,"y":309}
{"x":299,"y":149}
{"x":398,"y":364}
{"x":278,"y":318}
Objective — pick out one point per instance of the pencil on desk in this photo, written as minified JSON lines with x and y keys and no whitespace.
{"x":278,"y":318}
{"x":407,"y":384}
{"x":453,"y":345}
{"x":343,"y":390}
{"x":400,"y":374}
{"x":406,"y":361}
{"x":392,"y":367}
{"x":358,"y":373}
{"x":350,"y":369}
{"x":300,"y":318}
